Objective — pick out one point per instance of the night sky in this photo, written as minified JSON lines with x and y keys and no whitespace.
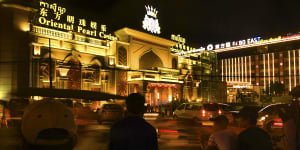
{"x":199,"y":21}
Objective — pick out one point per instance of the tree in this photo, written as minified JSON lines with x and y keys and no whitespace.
{"x":276,"y":88}
{"x":296,"y":92}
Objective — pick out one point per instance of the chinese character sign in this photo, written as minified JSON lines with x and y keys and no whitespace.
{"x":56,"y":16}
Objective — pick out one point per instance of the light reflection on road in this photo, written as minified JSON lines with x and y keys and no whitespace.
{"x":172,"y":135}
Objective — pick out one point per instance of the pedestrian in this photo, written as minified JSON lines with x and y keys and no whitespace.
{"x":288,"y":116}
{"x":252,"y":138}
{"x":48,"y":125}
{"x":166,"y":110}
{"x":133,"y":132}
{"x":162,"y":111}
{"x":222,"y":138}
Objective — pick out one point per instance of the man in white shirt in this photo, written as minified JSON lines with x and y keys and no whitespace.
{"x":222,"y":138}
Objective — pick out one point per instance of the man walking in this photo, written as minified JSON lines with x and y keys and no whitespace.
{"x":222,"y":138}
{"x":133,"y":133}
{"x":252,"y":138}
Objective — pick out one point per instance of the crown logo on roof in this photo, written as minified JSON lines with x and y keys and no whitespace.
{"x":151,"y":11}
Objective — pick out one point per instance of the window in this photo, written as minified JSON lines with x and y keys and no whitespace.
{"x":112,"y":106}
{"x":188,"y":107}
{"x":181,"y":107}
{"x":122,"y":53}
{"x":184,"y":66}
{"x":268,"y":110}
{"x":196,"y":107}
{"x":174,"y":63}
{"x":211,"y":107}
{"x":227,"y":107}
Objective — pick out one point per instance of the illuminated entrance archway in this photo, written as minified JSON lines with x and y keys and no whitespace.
{"x":74,"y":74}
{"x":161,"y":93}
{"x":150,"y":60}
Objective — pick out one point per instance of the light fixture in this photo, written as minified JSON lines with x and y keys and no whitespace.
{"x":63,"y":71}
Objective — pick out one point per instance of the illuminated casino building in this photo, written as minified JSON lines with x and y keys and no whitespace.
{"x":257,"y":64}
{"x":46,"y":47}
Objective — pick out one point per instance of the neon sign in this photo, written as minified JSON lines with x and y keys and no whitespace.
{"x":232,"y":44}
{"x":241,"y":86}
{"x":269,"y":40}
{"x":150,"y":22}
{"x":55,"y":16}
{"x":180,"y":46}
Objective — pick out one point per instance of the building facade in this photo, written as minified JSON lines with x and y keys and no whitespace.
{"x":47,"y":47}
{"x":259,"y":66}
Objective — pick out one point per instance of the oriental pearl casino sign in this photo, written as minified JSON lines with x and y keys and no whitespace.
{"x":150,"y":22}
{"x":53,"y":15}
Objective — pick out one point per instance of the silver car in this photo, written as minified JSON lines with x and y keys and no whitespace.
{"x":199,"y":112}
{"x":110,"y":113}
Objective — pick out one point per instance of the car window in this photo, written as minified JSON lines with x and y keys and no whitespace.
{"x":211,"y":107}
{"x":196,"y":107}
{"x":227,"y":107}
{"x":268,"y":110}
{"x":188,"y":107}
{"x":181,"y":107}
{"x":281,"y":107}
{"x":112,"y":106}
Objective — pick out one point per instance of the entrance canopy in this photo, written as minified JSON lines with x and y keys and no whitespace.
{"x":67,"y":93}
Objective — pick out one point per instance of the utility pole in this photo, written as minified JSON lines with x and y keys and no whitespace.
{"x":50,"y":64}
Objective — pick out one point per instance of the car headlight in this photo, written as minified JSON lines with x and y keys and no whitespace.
{"x":263,"y":118}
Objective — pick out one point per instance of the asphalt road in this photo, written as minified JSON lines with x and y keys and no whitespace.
{"x":172,"y":135}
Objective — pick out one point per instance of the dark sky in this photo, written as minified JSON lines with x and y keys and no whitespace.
{"x":199,"y":21}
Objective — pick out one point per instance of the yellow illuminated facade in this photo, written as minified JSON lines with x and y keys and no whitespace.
{"x":85,"y":56}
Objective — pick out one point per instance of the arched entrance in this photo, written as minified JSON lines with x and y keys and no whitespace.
{"x":74,"y":74}
{"x":150,"y":60}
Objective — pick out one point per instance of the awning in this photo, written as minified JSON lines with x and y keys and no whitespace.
{"x":67,"y":93}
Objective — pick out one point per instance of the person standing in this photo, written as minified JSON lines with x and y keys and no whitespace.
{"x":133,"y":132}
{"x":222,"y":138}
{"x":162,"y":111}
{"x":288,"y":115}
{"x":252,"y":138}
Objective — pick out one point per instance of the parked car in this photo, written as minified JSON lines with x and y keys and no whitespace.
{"x":11,"y":112}
{"x":199,"y":112}
{"x":110,"y":112}
{"x":229,"y":111}
{"x":268,"y":117}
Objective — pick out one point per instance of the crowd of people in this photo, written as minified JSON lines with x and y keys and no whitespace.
{"x":253,"y":137}
{"x":164,"y":110}
{"x":50,"y":125}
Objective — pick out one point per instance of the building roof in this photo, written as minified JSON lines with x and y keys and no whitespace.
{"x":124,"y":34}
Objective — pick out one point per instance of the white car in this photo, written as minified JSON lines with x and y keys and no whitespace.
{"x":198,"y":112}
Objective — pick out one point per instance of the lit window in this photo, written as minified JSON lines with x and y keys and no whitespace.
{"x":37,"y":50}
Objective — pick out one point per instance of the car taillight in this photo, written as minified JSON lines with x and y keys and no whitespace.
{"x":167,"y":131}
{"x":220,"y":112}
{"x":203,"y":113}
{"x":278,"y":122}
